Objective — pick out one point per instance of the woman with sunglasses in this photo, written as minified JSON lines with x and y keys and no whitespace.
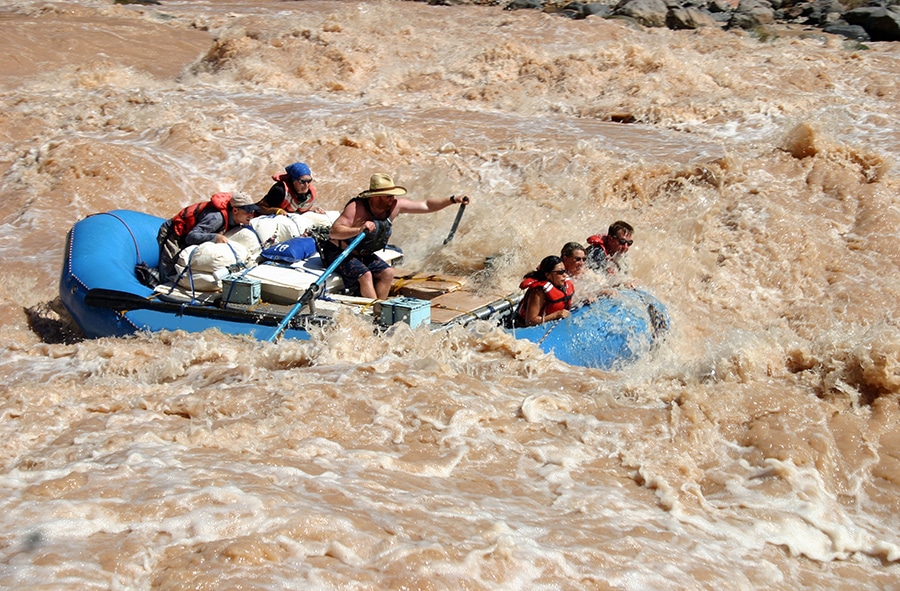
{"x":292,"y":192}
{"x":605,"y":253}
{"x":548,"y":293}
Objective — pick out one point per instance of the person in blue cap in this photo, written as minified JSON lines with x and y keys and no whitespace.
{"x":292,"y":192}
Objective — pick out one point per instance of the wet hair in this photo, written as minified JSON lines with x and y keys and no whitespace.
{"x":569,"y":248}
{"x":547,"y":265}
{"x":619,"y":225}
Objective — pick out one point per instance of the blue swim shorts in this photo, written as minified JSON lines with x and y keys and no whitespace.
{"x":354,"y":266}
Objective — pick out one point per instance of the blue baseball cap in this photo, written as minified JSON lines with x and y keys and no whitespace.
{"x":297,"y":170}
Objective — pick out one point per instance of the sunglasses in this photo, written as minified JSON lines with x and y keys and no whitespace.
{"x":624,"y":242}
{"x":563,"y":272}
{"x":304,"y":181}
{"x":579,"y":259}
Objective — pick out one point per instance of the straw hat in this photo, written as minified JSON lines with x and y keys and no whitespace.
{"x":382,"y":184}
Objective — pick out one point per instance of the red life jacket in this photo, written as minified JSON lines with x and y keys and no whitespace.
{"x":292,"y":203}
{"x":599,"y":242}
{"x":555,"y":299}
{"x":185,"y":220}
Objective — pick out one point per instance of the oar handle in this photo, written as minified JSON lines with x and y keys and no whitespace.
{"x":314,"y":288}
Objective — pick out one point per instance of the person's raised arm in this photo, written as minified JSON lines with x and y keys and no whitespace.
{"x":430,"y":205}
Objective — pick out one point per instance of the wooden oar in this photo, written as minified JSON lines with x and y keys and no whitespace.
{"x":316,"y":287}
{"x":123,"y":300}
{"x":459,"y":214}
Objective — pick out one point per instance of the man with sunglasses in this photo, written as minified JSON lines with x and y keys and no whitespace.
{"x":605,"y":253}
{"x":590,"y":284}
{"x":292,"y":192}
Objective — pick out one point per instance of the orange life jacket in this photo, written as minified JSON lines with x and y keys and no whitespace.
{"x":555,"y":299}
{"x":185,"y":220}
{"x":292,"y":203}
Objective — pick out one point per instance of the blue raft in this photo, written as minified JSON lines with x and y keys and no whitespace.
{"x":100,"y":290}
{"x":607,"y":334}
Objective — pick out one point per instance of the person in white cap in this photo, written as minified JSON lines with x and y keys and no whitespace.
{"x":372,"y":212}
{"x":202,"y":222}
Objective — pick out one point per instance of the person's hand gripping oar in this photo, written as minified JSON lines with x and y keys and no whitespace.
{"x":316,"y":288}
{"x":463,"y":201}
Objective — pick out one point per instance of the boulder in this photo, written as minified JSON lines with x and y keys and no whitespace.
{"x":854,"y":32}
{"x":689,"y":18}
{"x":597,"y":9}
{"x":650,"y":13}
{"x":580,"y":10}
{"x":751,"y":14}
{"x":723,"y":6}
{"x":821,"y":12}
{"x":882,"y":24}
{"x":524,"y":5}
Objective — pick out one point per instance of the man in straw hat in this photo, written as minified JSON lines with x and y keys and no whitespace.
{"x":372,"y":212}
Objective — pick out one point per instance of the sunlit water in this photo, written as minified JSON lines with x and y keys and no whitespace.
{"x":759,"y":448}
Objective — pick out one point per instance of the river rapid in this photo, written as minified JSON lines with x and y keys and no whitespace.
{"x":758,"y":448}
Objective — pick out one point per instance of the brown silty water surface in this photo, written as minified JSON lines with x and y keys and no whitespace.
{"x":758,"y":448}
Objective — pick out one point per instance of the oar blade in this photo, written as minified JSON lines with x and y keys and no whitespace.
{"x":459,"y":215}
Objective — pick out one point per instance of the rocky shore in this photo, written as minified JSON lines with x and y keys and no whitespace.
{"x":859,"y":20}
